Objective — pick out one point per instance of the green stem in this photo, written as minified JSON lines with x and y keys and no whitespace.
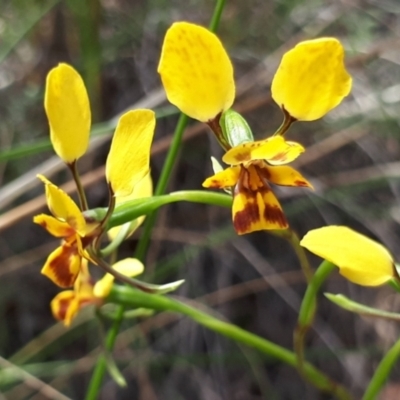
{"x":79,"y":188}
{"x":133,"y":298}
{"x":100,"y":368}
{"x":101,"y":365}
{"x":286,"y":124}
{"x":382,"y":372}
{"x":130,"y":210}
{"x":307,"y":312}
{"x":216,"y":17}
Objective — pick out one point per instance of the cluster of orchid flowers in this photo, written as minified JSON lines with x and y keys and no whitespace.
{"x":197,"y":75}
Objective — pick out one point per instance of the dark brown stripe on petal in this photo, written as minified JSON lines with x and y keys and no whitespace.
{"x":62,"y":266}
{"x":274,"y":214}
{"x":243,"y":220}
{"x":279,"y":157}
{"x":63,"y":306}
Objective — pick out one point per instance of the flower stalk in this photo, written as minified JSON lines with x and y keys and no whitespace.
{"x":307,"y":312}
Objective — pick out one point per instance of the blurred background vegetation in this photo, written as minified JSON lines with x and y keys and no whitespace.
{"x":352,"y":159}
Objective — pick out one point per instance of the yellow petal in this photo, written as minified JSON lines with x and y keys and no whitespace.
{"x":311,"y":79}
{"x":287,"y":176}
{"x":226,"y":178}
{"x":64,"y":306}
{"x":128,"y":267}
{"x":196,"y":71}
{"x":62,"y":266}
{"x":129,"y":157}
{"x":63,"y":207}
{"x":54,"y":226}
{"x":68,"y":110}
{"x":256,"y":210}
{"x":360,"y":259}
{"x":276,"y":150}
{"x":144,"y":188}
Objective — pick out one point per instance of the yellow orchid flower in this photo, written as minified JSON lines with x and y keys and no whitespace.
{"x":198,"y":76}
{"x":127,"y":165}
{"x":254,"y":165}
{"x":67,"y":222}
{"x":67,"y":304}
{"x":68,"y":111}
{"x":359,"y":259}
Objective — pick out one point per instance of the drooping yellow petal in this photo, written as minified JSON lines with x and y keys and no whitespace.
{"x":144,"y":188}
{"x":360,"y":259}
{"x":68,"y":111}
{"x":287,"y":176}
{"x":129,"y":156}
{"x":223,"y":179}
{"x":128,"y":267}
{"x":64,"y":306}
{"x":276,"y":150}
{"x":255,"y":207}
{"x":196,"y":71}
{"x":62,"y":265}
{"x":63,"y":207}
{"x":311,"y":79}
{"x":67,"y":304}
{"x":54,"y":226}
{"x":255,"y":211}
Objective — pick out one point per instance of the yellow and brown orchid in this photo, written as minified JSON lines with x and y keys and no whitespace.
{"x":254,"y":166}
{"x":68,"y":110}
{"x":197,"y":75}
{"x":67,"y":303}
{"x":67,"y":222}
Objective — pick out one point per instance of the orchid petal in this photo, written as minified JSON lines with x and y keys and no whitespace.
{"x":287,"y":176}
{"x":54,"y":226}
{"x":311,"y":79}
{"x":196,"y":71}
{"x":143,"y":189}
{"x":65,"y":306}
{"x":129,"y":156}
{"x":359,"y":259}
{"x":63,"y":265}
{"x":68,"y":110}
{"x":275,"y":150}
{"x":128,"y":267}
{"x":63,"y":207}
{"x":256,"y":210}
{"x":226,"y":178}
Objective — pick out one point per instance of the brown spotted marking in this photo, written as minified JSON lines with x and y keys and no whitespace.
{"x":60,"y":266}
{"x":63,"y":306}
{"x":243,"y":219}
{"x":279,"y":157}
{"x":275,"y":215}
{"x":241,"y":157}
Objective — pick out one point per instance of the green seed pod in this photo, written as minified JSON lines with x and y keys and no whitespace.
{"x":235,"y":128}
